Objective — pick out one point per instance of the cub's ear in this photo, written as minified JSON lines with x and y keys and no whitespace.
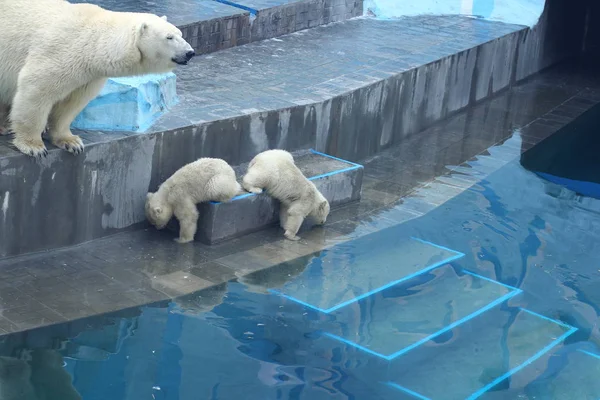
{"x":158,"y":210}
{"x":149,"y":195}
{"x":164,"y":17}
{"x":323,"y":205}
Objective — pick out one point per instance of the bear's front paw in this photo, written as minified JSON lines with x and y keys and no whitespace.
{"x":73,"y":144}
{"x":182,"y":240}
{"x":290,"y":236}
{"x":31,"y":147}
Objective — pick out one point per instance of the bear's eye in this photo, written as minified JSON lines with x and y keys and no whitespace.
{"x":169,"y":37}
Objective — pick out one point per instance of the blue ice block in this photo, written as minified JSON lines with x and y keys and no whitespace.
{"x":129,"y":104}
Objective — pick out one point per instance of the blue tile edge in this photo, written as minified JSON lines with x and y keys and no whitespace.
{"x":589,"y":353}
{"x":513,"y":371}
{"x":312,"y":178}
{"x":453,"y":325}
{"x":407,"y":391}
{"x":530,"y":360}
{"x":379,"y":289}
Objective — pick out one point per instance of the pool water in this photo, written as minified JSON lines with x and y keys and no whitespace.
{"x":492,"y":295}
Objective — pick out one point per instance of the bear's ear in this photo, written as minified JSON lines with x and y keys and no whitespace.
{"x":158,"y":210}
{"x":142,"y":28}
{"x":149,"y":195}
{"x":164,"y":17}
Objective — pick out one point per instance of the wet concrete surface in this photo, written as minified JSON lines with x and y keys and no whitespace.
{"x":403,"y":183}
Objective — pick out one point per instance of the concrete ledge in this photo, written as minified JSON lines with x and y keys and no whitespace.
{"x":340,"y":182}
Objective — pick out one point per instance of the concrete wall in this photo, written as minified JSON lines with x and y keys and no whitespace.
{"x":65,"y":200}
{"x":239,"y":29}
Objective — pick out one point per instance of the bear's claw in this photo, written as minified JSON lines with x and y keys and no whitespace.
{"x":72,"y":144}
{"x":31,"y":148}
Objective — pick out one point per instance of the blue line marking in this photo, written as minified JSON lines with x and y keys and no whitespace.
{"x":408,"y":391}
{"x":231,"y":3}
{"x":453,"y":325}
{"x":356,"y":345}
{"x":457,"y":323}
{"x":466,"y":271}
{"x":297,"y":301}
{"x":339,"y":171}
{"x":335,"y":158}
{"x":589,"y":353}
{"x":436,"y":245}
{"x":546,"y":318}
{"x":513,"y":371}
{"x":388,"y":285}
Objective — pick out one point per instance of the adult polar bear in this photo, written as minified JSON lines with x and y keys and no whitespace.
{"x":55,"y":57}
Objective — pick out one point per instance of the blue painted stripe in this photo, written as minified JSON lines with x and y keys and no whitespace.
{"x":297,"y":301}
{"x":589,"y":353}
{"x":236,"y":5}
{"x":466,"y":271}
{"x":335,"y":158}
{"x":356,"y":345}
{"x":371,"y":292}
{"x":407,"y":391}
{"x":513,"y":371}
{"x":436,"y":245}
{"x":457,"y":323}
{"x":546,"y":318}
{"x":433,"y":335}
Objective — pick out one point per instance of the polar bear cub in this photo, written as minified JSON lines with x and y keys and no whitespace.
{"x":276,"y":172}
{"x":56,"y":56}
{"x":206,"y":179}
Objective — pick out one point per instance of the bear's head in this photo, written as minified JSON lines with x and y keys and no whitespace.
{"x":158,"y":212}
{"x":161,"y":44}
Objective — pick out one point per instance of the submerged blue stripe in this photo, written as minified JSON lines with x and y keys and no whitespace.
{"x":407,"y":391}
{"x":546,"y":318}
{"x":466,"y":271}
{"x":379,"y":289}
{"x":513,"y":371}
{"x":589,"y":353}
{"x":456,"y":323}
{"x":436,"y":245}
{"x":453,"y":325}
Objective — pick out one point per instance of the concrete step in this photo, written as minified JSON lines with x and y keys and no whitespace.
{"x":338,"y":180}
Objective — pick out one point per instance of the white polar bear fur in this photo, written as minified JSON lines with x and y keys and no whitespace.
{"x":276,"y":172}
{"x":206,"y":179}
{"x":55,"y":57}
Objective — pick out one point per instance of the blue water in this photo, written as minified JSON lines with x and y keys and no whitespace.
{"x":493,"y":295}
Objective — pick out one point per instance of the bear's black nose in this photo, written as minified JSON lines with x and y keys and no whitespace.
{"x":190,"y":54}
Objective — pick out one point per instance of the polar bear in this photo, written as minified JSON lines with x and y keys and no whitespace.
{"x":206,"y":179}
{"x":55,"y":57}
{"x":276,"y":172}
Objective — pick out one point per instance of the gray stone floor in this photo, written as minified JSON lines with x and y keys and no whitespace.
{"x":140,"y":267}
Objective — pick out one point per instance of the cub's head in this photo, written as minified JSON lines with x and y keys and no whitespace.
{"x":158,"y":213}
{"x":322,"y":211}
{"x":161,"y":44}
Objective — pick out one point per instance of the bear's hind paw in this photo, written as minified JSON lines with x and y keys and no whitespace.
{"x":34,"y":148}
{"x":183,"y":240}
